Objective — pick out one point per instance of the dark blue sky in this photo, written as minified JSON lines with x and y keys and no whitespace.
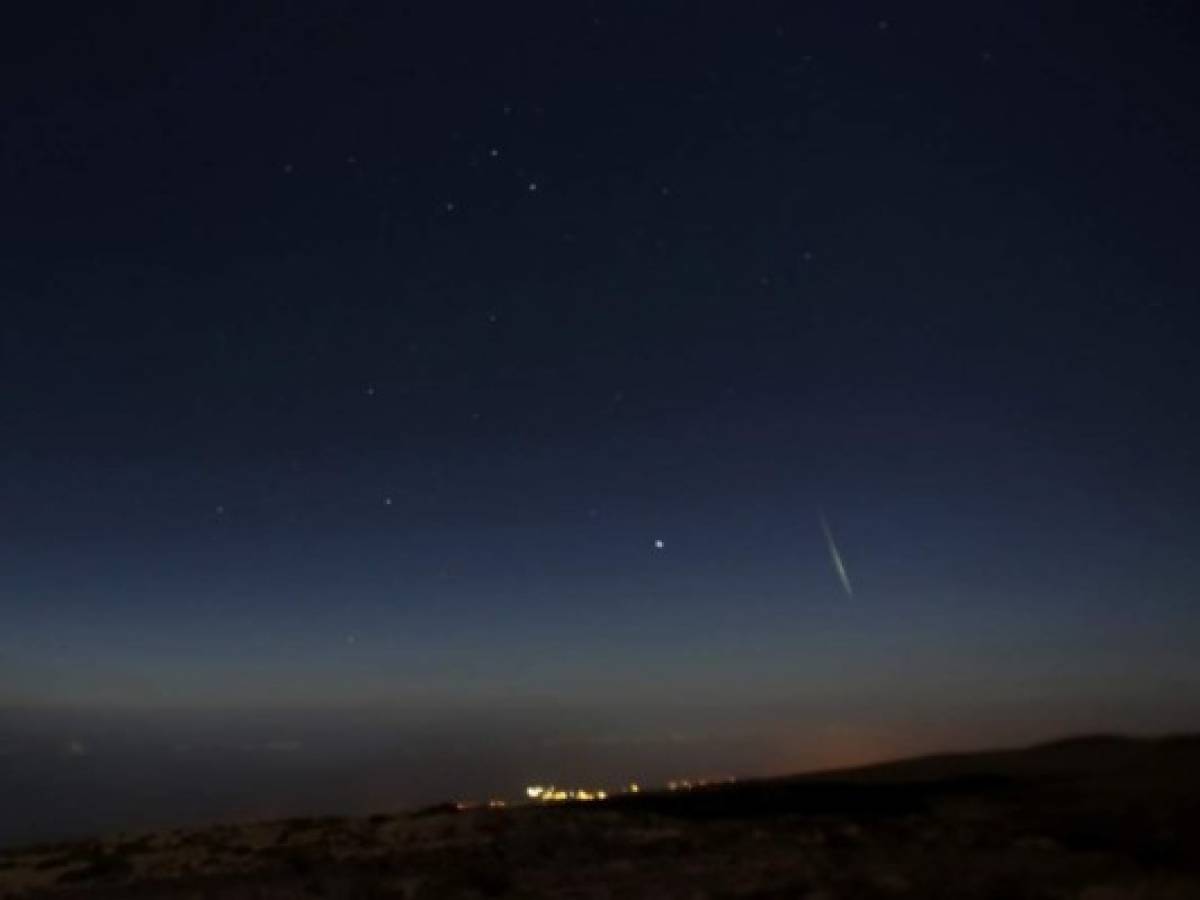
{"x":358,"y":357}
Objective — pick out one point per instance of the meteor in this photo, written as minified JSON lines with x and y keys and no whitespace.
{"x":836,"y":558}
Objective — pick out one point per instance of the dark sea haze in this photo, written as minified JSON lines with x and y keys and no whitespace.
{"x":69,"y":773}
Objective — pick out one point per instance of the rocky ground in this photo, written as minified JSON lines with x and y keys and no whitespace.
{"x":1099,"y":819}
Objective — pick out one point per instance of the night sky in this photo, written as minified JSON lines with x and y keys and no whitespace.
{"x":487,"y":357}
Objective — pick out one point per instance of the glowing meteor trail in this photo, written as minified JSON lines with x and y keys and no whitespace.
{"x":836,"y":558}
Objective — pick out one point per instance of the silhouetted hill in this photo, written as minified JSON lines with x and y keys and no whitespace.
{"x":1090,"y":818}
{"x":1134,"y":771}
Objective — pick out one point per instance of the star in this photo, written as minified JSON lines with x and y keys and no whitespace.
{"x":533,"y":187}
{"x":659,"y":544}
{"x":387,"y":501}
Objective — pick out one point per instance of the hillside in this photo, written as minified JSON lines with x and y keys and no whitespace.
{"x":1097,"y":818}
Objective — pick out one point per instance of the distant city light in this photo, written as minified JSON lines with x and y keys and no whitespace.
{"x":551,"y":794}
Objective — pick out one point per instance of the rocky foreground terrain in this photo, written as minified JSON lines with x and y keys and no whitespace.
{"x":1095,"y":819}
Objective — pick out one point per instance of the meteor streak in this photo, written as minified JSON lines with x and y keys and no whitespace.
{"x":836,"y":558}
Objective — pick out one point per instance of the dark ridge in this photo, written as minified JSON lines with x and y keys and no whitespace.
{"x":1092,"y":740}
{"x":777,"y":797}
{"x":1091,"y":763}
